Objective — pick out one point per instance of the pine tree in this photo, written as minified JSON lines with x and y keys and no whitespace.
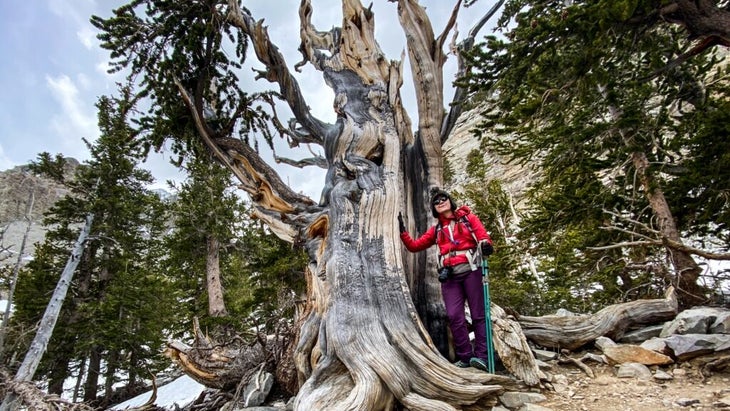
{"x":205,"y":216}
{"x":253,"y":265}
{"x":119,"y":301}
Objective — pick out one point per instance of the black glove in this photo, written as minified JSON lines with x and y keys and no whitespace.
{"x":401,"y":225}
{"x":487,"y":249}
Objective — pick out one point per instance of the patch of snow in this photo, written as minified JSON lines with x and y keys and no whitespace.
{"x":178,"y":393}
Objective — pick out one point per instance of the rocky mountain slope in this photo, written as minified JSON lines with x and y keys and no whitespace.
{"x":18,"y":189}
{"x":514,"y":178}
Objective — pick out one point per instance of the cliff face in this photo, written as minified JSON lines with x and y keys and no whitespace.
{"x":17,"y":185}
{"x":515,"y":179}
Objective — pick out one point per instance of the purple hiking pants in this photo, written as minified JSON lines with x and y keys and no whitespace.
{"x":457,"y":289}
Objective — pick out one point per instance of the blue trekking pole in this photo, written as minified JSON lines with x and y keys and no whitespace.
{"x":488,"y":314}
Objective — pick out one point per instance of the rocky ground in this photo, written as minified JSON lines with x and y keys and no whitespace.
{"x":684,"y":387}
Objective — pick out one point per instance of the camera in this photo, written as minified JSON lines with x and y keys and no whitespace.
{"x":445,"y":273}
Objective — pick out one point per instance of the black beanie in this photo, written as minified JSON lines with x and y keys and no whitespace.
{"x":437,"y":192}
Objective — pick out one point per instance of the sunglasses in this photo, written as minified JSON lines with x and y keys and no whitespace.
{"x":440,"y":200}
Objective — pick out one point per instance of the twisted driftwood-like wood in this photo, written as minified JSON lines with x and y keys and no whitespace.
{"x":366,"y":338}
{"x":571,"y":332}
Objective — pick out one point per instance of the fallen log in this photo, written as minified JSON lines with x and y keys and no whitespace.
{"x":560,"y":332}
{"x":30,"y":397}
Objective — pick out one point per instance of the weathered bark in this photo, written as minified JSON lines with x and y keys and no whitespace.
{"x":362,"y":344}
{"x":705,"y":22}
{"x":687,"y":270}
{"x":511,"y":346}
{"x":216,"y":305}
{"x":701,"y":18}
{"x":91,"y":386}
{"x":216,"y":365}
{"x":33,"y":398}
{"x":572,"y":332}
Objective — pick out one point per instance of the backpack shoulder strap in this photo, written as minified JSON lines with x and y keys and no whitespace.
{"x":466,"y":222}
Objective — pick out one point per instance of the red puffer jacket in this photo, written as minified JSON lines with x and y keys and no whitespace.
{"x":453,"y":235}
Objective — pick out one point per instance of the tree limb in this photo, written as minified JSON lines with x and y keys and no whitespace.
{"x":575,"y":331}
{"x":657,"y":240}
{"x":427,"y":70}
{"x":313,"y":40}
{"x":318,"y":161}
{"x":260,"y":180}
{"x":457,"y":103}
{"x":277,"y":71}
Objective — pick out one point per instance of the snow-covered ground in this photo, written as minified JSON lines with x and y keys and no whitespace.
{"x":179,"y":392}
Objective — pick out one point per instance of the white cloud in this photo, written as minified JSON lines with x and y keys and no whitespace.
{"x":103,"y":67}
{"x":88,"y":37}
{"x":5,"y":162}
{"x":75,"y":120}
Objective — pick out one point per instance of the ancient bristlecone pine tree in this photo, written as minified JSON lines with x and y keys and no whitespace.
{"x":364,"y":343}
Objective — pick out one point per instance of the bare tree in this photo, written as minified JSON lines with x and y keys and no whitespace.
{"x":48,"y":322}
{"x":16,"y":271}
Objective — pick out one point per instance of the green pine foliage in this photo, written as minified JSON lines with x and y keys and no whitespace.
{"x":205,"y":206}
{"x":159,"y":42}
{"x":511,"y":283}
{"x":258,"y":270}
{"x":571,"y":83}
{"x":119,"y":304}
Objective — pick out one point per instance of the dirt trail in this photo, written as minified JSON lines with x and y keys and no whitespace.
{"x":606,"y":392}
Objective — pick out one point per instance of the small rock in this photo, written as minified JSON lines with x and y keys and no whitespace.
{"x":723,"y":402}
{"x":686,"y":402}
{"x":603,"y":380}
{"x":545,"y":355}
{"x":660,"y":375}
{"x":621,"y":354}
{"x":513,"y":399}
{"x":560,"y":379}
{"x":534,"y":407}
{"x":562,"y":312}
{"x":603,"y":342}
{"x":634,"y":370}
{"x":656,"y":344}
{"x":643,"y":334}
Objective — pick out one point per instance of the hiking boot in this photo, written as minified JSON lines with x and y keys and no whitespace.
{"x":462,"y":364}
{"x":478,"y":363}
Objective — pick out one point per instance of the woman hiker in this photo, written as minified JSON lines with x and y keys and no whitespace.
{"x":458,"y":233}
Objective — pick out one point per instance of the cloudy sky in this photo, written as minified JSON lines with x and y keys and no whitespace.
{"x":53,"y":71}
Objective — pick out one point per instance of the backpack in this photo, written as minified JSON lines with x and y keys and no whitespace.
{"x":470,"y":254}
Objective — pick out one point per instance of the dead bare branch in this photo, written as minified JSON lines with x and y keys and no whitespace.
{"x":33,"y":398}
{"x":457,"y":103}
{"x":318,"y":161}
{"x":654,"y":238}
{"x":276,"y":70}
{"x":259,"y":179}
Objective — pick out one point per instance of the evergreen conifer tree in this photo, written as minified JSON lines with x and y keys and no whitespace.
{"x":584,"y":94}
{"x":119,"y":302}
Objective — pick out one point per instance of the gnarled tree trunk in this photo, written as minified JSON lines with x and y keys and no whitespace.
{"x":362,"y":344}
{"x":373,"y":331}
